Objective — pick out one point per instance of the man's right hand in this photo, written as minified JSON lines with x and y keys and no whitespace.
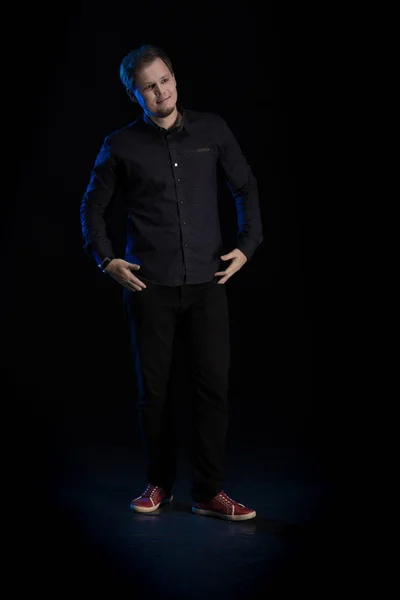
{"x":121,"y":271}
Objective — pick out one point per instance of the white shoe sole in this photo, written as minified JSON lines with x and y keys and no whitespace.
{"x":143,"y":509}
{"x":211,"y":513}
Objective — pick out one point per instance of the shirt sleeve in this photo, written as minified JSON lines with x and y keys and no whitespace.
{"x":96,"y":198}
{"x":243,"y":187}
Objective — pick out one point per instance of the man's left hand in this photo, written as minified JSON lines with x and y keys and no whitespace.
{"x":238,"y":260}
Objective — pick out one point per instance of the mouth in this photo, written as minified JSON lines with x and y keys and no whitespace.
{"x":162,"y":101}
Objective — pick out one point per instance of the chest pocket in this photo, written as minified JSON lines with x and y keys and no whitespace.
{"x":204,"y":152}
{"x":200,"y":165}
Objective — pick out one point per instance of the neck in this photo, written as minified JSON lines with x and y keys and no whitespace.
{"x":166,"y":122}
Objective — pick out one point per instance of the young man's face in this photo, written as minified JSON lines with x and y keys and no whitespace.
{"x":155,"y":89}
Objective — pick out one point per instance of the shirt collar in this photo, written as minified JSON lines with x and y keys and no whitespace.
{"x":180,"y":123}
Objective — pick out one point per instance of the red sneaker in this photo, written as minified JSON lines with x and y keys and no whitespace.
{"x":223,"y":507}
{"x":151,"y":499}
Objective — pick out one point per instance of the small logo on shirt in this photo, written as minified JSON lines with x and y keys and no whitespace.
{"x":198,"y":150}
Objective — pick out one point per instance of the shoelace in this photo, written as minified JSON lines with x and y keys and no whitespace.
{"x":225,"y":499}
{"x":149,"y":491}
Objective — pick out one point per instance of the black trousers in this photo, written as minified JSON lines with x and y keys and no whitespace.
{"x":201,"y":313}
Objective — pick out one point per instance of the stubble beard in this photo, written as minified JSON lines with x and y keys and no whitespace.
{"x":162,"y":113}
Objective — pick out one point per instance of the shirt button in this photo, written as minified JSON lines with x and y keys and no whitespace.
{"x":181,"y":202}
{"x":185,"y":245}
{"x":184,"y":223}
{"x":175,"y":164}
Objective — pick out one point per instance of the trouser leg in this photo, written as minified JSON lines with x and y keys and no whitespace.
{"x":152,"y":316}
{"x":207,"y":335}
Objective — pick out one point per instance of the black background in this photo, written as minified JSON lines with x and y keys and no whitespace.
{"x":66,"y":360}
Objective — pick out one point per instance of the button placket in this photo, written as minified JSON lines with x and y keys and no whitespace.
{"x":181,"y":202}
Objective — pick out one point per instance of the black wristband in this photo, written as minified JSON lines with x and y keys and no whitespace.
{"x":104,"y":264}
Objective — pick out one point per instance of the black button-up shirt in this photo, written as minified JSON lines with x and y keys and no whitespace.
{"x":168,"y":180}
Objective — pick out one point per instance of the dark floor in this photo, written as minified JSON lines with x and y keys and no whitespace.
{"x":75,"y":462}
{"x":92,"y":544}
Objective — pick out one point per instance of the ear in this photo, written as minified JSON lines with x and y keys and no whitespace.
{"x":131,"y":95}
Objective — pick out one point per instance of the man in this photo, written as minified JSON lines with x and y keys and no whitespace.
{"x":164,"y":166}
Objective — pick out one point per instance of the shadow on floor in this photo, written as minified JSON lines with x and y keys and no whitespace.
{"x":90,"y":541}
